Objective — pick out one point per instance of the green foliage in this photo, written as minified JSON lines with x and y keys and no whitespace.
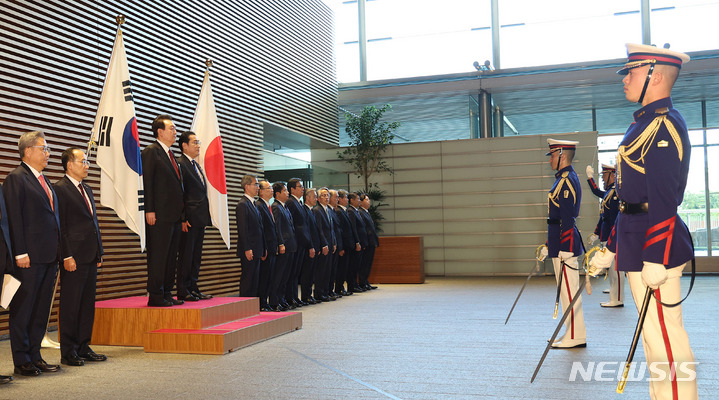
{"x":694,"y":201}
{"x":368,"y":139}
{"x":376,"y":197}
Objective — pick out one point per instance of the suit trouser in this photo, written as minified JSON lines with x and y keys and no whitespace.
{"x":321,"y":275}
{"x":29,"y":310}
{"x":163,"y":240}
{"x":332,"y":275}
{"x":295,"y":266}
{"x":366,"y":265}
{"x":190,"y":258}
{"x":574,"y":324}
{"x":279,"y":277}
{"x":341,"y":275}
{"x":267,"y":270}
{"x":354,"y":266}
{"x":250,"y":278}
{"x":77,"y":308}
{"x":665,"y":340}
{"x":307,"y":273}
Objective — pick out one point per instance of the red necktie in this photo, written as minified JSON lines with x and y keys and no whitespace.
{"x":82,"y":191}
{"x":47,"y":190}
{"x":174,"y":163}
{"x":270,"y":208}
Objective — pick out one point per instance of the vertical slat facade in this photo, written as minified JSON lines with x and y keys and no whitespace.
{"x":273,"y":62}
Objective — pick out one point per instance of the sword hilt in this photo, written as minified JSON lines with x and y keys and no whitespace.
{"x":556,"y":310}
{"x":623,"y":381}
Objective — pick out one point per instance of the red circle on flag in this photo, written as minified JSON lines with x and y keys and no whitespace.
{"x":215,"y":165}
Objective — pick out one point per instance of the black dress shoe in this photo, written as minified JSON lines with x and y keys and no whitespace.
{"x":357,"y":289}
{"x":163,"y":303}
{"x":5,"y":379}
{"x":324,"y":298}
{"x":265,"y":308}
{"x":201,"y":295}
{"x":27,"y":369}
{"x":278,"y":308}
{"x":298,"y":303}
{"x":72,"y":360}
{"x":372,"y":287}
{"x":45,"y":367}
{"x":175,"y":302}
{"x":189,"y":297}
{"x":346,"y":293}
{"x":92,"y":356}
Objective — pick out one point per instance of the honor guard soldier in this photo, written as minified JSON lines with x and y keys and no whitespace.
{"x":564,"y":243}
{"x":650,"y":240}
{"x":608,"y":211}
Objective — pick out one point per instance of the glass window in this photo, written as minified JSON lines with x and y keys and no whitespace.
{"x":693,"y":208}
{"x":566,"y":31}
{"x":687,"y":25}
{"x":713,"y":172}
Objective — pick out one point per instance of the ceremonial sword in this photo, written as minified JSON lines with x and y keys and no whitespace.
{"x":559,"y":326}
{"x":635,"y":340}
{"x":529,"y":276}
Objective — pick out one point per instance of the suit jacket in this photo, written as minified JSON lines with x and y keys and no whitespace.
{"x":80,"y":233}
{"x":317,"y":239}
{"x":358,"y":225}
{"x":337,"y":228}
{"x":372,"y":239}
{"x":269,"y":227}
{"x":249,"y":228}
{"x":197,"y":206}
{"x":349,"y":231}
{"x":163,"y":188}
{"x":285,"y":228}
{"x":34,"y":226}
{"x":299,"y":219}
{"x":325,"y":226}
{"x":6,"y":256}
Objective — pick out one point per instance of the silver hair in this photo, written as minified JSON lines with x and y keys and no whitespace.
{"x":28,"y":139}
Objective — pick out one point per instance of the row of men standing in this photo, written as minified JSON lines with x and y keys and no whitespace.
{"x":304,"y":247}
{"x":43,"y":225}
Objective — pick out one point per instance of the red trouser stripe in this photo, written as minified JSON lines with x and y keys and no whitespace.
{"x":667,"y":346}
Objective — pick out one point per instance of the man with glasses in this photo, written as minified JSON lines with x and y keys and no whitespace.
{"x":304,"y":242}
{"x":250,"y":238}
{"x":82,"y":256}
{"x":197,"y":218}
{"x":32,"y":209}
{"x":164,"y":207}
{"x":273,"y":243}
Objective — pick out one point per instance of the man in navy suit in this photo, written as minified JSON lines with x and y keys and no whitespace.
{"x":356,"y":256}
{"x":197,"y":217}
{"x":32,"y":211}
{"x":302,"y":236}
{"x":82,"y":256}
{"x":286,"y":250}
{"x":273,"y":241}
{"x":325,"y":225}
{"x":164,"y":205}
{"x":372,"y":243}
{"x":350,"y":243}
{"x":6,"y":257}
{"x":250,"y":238}
{"x":317,"y":243}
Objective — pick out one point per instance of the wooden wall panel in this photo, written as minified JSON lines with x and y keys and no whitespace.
{"x":273,"y":62}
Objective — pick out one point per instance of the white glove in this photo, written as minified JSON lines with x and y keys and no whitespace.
{"x":593,"y":238}
{"x":653,"y":274}
{"x":543,"y":253}
{"x":590,"y":172}
{"x":602,"y":260}
{"x":565,"y":255}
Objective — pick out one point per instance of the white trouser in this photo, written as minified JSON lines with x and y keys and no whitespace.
{"x":574,"y":324}
{"x":616,"y":282}
{"x":665,"y":340}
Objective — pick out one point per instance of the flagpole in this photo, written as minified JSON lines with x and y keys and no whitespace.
{"x":92,"y":143}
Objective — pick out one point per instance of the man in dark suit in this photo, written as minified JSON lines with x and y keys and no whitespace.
{"x":82,"y":256}
{"x":302,"y":236}
{"x":325,"y":226}
{"x":337,"y":229}
{"x":356,"y":256}
{"x":250,"y":238}
{"x":197,"y":217}
{"x":163,"y":212}
{"x":32,"y":211}
{"x":6,"y":259}
{"x":372,"y":244}
{"x":350,"y":243}
{"x":317,"y":243}
{"x":273,"y":241}
{"x":287,"y":250}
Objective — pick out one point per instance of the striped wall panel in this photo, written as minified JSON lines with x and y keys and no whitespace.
{"x":273,"y":62}
{"x":480,"y":204}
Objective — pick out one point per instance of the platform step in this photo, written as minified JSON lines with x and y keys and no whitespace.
{"x":124,"y":322}
{"x":222,"y":338}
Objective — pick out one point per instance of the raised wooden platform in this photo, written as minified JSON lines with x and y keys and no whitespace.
{"x":398,"y":259}
{"x":214,"y":326}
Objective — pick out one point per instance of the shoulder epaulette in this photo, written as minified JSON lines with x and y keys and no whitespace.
{"x":662,"y":110}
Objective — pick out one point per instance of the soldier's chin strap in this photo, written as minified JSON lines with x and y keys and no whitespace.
{"x":646,"y":83}
{"x":559,"y":159}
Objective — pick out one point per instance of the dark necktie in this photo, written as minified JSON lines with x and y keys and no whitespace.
{"x":199,"y":172}
{"x":174,"y":163}
{"x":87,"y":203}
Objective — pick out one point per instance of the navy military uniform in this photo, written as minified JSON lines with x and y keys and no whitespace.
{"x":608,"y":210}
{"x":565,"y":244}
{"x":650,"y":241}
